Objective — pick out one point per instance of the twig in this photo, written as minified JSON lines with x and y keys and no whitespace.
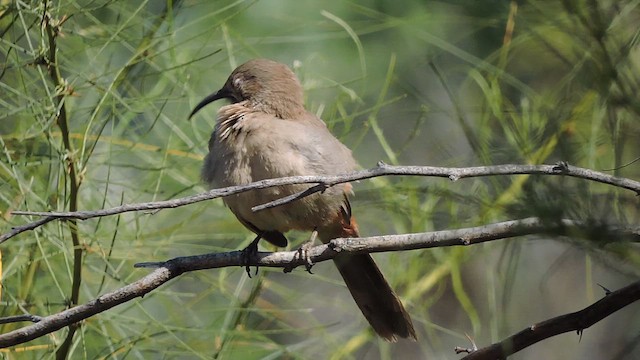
{"x":26,"y":227}
{"x":577,"y":321}
{"x":562,"y":168}
{"x":20,"y":318}
{"x":328,"y":181}
{"x":288,"y":259}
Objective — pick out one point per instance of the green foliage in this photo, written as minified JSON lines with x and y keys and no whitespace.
{"x":93,"y":114}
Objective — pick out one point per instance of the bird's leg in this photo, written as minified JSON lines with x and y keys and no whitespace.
{"x":249,"y":253}
{"x":303,"y":253}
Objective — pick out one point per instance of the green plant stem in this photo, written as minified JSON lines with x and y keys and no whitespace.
{"x":239,"y":316}
{"x":74,"y":183}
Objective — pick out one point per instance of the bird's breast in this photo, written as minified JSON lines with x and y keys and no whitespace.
{"x":248,"y":147}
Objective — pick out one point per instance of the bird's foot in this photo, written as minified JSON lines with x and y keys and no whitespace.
{"x":302,"y":254}
{"x":249,"y":254}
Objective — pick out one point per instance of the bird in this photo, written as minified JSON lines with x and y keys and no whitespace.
{"x":265,"y":132}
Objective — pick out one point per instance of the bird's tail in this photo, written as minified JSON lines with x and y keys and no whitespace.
{"x":371,"y":292}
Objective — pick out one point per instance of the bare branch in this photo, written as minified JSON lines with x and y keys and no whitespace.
{"x":290,"y":259}
{"x":562,"y":168}
{"x":577,"y":321}
{"x":57,"y":321}
{"x":327,"y":181}
{"x":20,"y":318}
{"x":26,"y":227}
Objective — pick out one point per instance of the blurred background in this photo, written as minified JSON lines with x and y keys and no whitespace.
{"x":94,"y":102}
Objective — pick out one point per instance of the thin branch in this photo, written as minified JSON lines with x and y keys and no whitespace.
{"x":562,"y":168}
{"x":577,"y":321}
{"x":26,"y":227}
{"x":20,"y":318}
{"x":51,"y":28}
{"x":324,"y":182}
{"x":76,"y":314}
{"x":289,"y":259}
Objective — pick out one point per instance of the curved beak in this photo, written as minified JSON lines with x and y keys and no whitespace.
{"x":220,"y":94}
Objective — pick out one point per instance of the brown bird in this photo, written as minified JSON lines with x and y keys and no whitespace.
{"x":266,"y":133}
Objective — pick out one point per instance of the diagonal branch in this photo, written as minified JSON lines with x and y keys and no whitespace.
{"x":26,"y":227}
{"x":577,"y":321}
{"x":327,"y":181}
{"x":170,"y":269}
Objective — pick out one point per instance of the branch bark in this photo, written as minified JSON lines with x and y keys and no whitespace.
{"x":577,"y":321}
{"x":322,"y":182}
{"x":168,"y":270}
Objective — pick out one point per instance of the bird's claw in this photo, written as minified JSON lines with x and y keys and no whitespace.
{"x":248,"y":254}
{"x":302,"y":254}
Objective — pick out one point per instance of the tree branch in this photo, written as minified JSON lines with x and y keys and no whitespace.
{"x":20,"y":318}
{"x":327,"y":181}
{"x":289,"y":259}
{"x":577,"y":321}
{"x":26,"y":227}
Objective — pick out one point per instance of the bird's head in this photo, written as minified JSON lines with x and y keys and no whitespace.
{"x":265,"y":85}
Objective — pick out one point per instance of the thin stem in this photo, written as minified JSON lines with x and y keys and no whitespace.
{"x":74,"y":183}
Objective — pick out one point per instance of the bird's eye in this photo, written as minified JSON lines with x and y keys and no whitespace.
{"x":237,"y":82}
